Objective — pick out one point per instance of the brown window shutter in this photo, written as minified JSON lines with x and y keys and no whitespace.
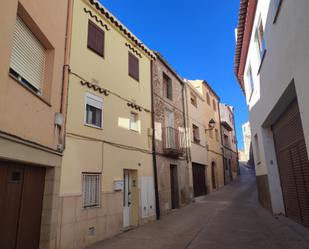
{"x":133,"y":66}
{"x":100,"y":42}
{"x":95,"y":38}
{"x":91,"y":35}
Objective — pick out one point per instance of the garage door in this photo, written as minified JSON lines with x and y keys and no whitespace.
{"x":199,"y":182}
{"x":21,"y":198}
{"x":293,"y":164}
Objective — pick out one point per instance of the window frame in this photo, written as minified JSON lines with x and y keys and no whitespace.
{"x":99,"y":190}
{"x":259,"y":38}
{"x":96,"y":98}
{"x":196,"y":131}
{"x":214,"y":105}
{"x":97,"y":30}
{"x":136,"y":122}
{"x":19,"y":76}
{"x":131,"y":73}
{"x":167,"y":86}
{"x":194,"y":98}
{"x":250,"y":82}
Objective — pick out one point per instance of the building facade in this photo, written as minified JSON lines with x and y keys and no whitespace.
{"x":31,"y":124}
{"x":205,"y":133}
{"x":271,"y":65}
{"x":246,"y":133}
{"x":107,"y":183}
{"x":170,"y":136}
{"x":229,"y":143}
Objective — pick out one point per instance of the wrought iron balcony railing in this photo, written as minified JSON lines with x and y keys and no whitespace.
{"x":173,"y":141}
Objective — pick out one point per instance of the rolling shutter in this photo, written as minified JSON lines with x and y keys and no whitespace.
{"x":293,"y":164}
{"x":28,"y":55}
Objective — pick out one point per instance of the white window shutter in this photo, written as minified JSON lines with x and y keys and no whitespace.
{"x":28,"y":55}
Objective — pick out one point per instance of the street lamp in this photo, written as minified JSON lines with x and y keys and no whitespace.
{"x":211,"y":124}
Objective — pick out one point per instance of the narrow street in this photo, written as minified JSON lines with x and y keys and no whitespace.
{"x":228,"y":219}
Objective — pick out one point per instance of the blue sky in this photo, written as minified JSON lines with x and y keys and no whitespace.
{"x":197,"y":37}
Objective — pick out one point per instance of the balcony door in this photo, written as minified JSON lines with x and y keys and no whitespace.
{"x":169,"y":118}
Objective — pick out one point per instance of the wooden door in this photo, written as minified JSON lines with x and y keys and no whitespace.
{"x":199,"y":179}
{"x":21,"y":198}
{"x":293,"y":164}
{"x":174,"y":186}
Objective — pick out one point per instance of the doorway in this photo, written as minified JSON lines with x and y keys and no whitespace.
{"x":130,"y":198}
{"x":174,"y":186}
{"x":199,"y":181}
{"x":21,"y":200}
{"x":213,"y":175}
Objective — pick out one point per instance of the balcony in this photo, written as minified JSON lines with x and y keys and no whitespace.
{"x":173,"y":142}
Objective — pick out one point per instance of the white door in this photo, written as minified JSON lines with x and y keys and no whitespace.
{"x":127,"y":199}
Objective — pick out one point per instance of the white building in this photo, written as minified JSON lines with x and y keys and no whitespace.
{"x":271,"y":64}
{"x":246,"y":133}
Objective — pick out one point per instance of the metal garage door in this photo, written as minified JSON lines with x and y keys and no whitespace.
{"x":199,"y":182}
{"x":293,"y":164}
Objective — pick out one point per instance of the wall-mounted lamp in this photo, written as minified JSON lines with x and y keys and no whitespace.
{"x":211,"y":125}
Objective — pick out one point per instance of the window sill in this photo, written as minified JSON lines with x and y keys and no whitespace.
{"x":136,"y":131}
{"x":93,"y":126}
{"x":30,"y":90}
{"x":134,"y":78}
{"x":262,"y":60}
{"x":91,"y":207}
{"x":96,"y":52}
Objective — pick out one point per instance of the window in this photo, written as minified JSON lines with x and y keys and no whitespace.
{"x":259,"y":39}
{"x":196,"y":134}
{"x":250,"y":83}
{"x":94,"y":106}
{"x":214,"y":105}
{"x":134,"y":121}
{"x":226,"y":140}
{"x":208,"y":98}
{"x":169,"y":118}
{"x":217,"y":134}
{"x":28,"y":57}
{"x":133,"y":66}
{"x":91,"y":189}
{"x":167,"y":87}
{"x":193,"y":99}
{"x":95,"y":40}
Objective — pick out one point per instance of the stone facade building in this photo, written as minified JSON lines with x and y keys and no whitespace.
{"x":170,"y":136}
{"x":229,"y":143}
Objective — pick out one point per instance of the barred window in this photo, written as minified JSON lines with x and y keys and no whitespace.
{"x":91,"y":189}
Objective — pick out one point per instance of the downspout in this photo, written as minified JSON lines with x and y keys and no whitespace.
{"x":185,"y":121}
{"x":154,"y":159}
{"x":222,"y":150}
{"x":65,"y":72}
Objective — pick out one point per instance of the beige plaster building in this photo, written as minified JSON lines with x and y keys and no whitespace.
{"x":172,"y":160}
{"x":32,"y":101}
{"x":107,"y":183}
{"x":229,"y":143}
{"x":205,"y":133}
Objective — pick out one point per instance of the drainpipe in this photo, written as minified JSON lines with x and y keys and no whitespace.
{"x":65,"y":72}
{"x":154,"y":158}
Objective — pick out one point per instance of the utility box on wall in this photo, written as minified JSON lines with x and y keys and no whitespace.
{"x":118,"y":185}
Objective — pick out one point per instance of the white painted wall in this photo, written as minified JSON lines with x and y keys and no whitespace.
{"x":287,"y":58}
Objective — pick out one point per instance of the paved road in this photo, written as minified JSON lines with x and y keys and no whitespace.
{"x":227,"y":219}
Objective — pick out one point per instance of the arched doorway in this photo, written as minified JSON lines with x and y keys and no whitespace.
{"x":213,"y":175}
